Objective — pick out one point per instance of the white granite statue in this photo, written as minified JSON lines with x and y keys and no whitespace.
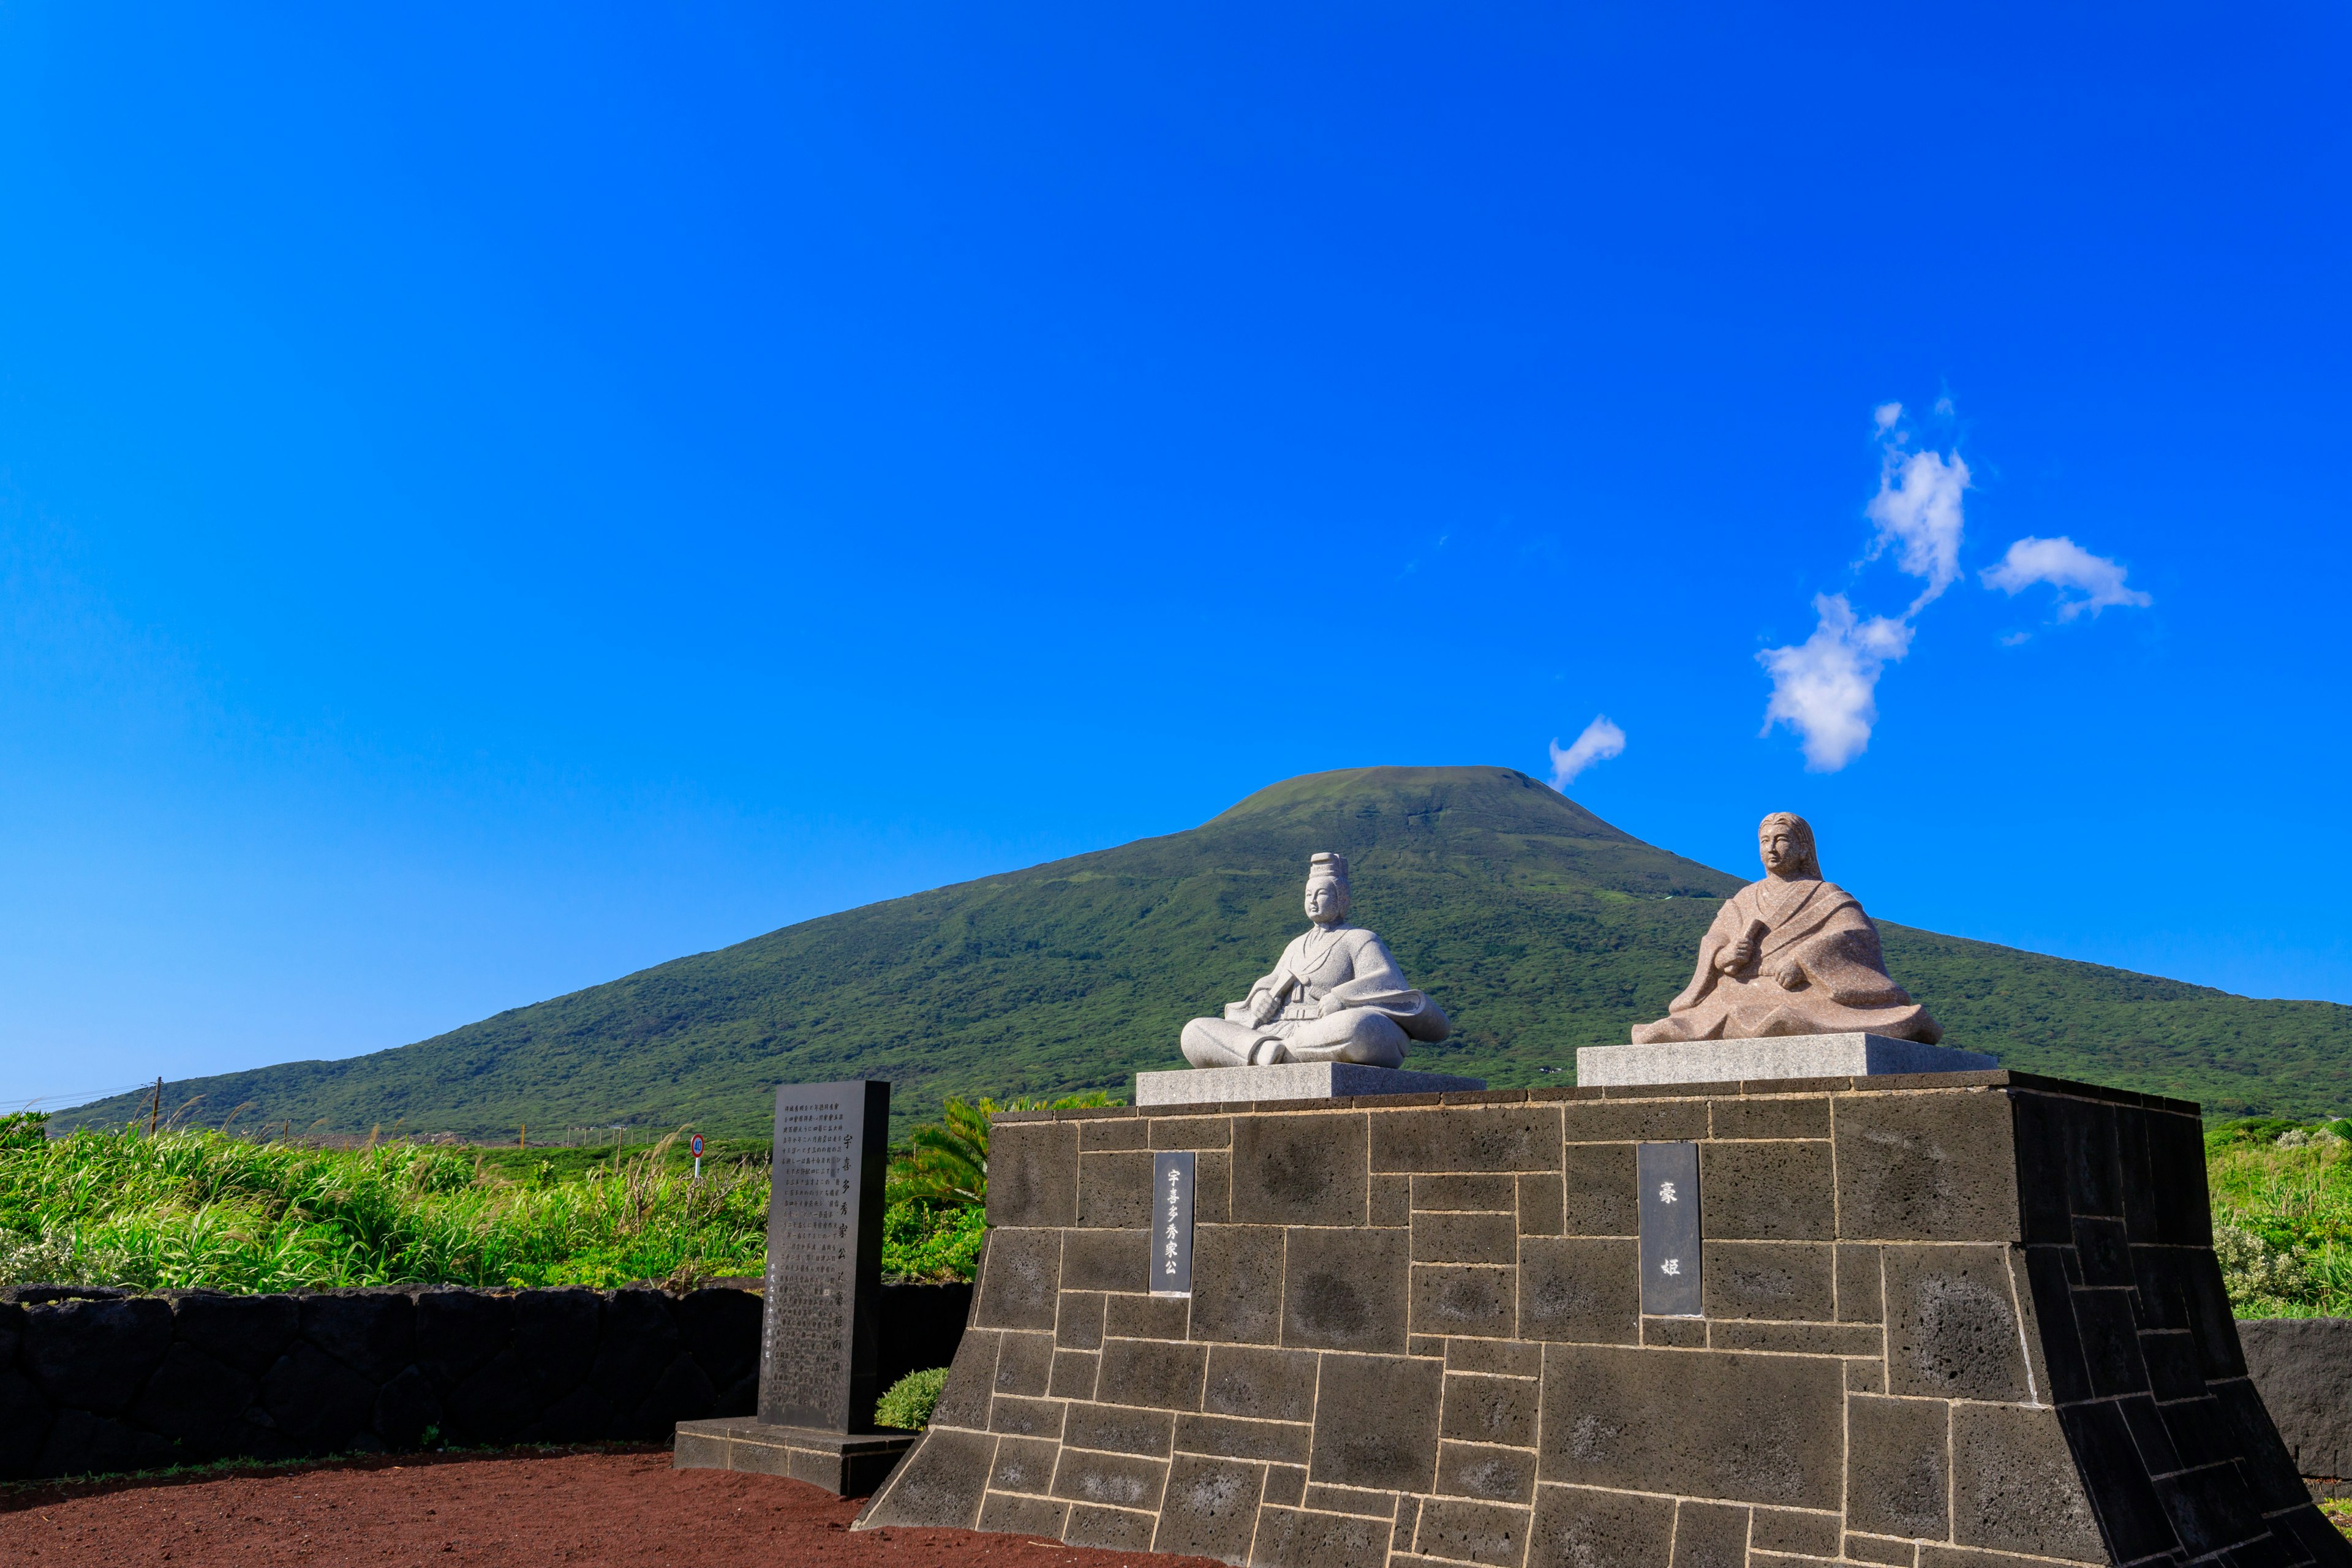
{"x":1335,"y":996}
{"x":1790,"y":955}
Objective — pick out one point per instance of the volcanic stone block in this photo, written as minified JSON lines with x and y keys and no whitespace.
{"x":1466,"y":1532}
{"x":195,"y":1400}
{"x":1299,"y":1170}
{"x":1075,"y":1373}
{"x":2015,"y":1488}
{"x":316,"y":1400}
{"x":1210,"y":1509}
{"x":971,"y":1379}
{"x":406,"y":1405}
{"x":1145,"y":1317}
{"x":1078,"y":1321}
{"x":1032,"y":1176}
{"x":1108,"y":1528}
{"x":1742,"y":1428}
{"x":1576,"y":1289}
{"x":1115,"y":1189}
{"x":24,"y":1418}
{"x":1541,"y":1210}
{"x":1345,"y":1289}
{"x":1115,"y":1132}
{"x":637,"y":1345}
{"x":1634,"y":1121}
{"x":1574,"y":1526}
{"x":458,"y":1331}
{"x":1237,"y":1283}
{"x":1026,"y":1418}
{"x":1467,"y":1138}
{"x":1460,"y":1194}
{"x":374,"y":1333}
{"x":1107,"y":1260}
{"x":1287,"y":1537}
{"x":1776,"y":1117}
{"x":555,"y":1339}
{"x":1601,"y":1198}
{"x":1480,"y":1409}
{"x":1860,"y":1298}
{"x":1025,"y":1363}
{"x":1710,"y":1535}
{"x":1478,"y":1471}
{"x":1152,"y":1373}
{"x":1020,"y":1278}
{"x":1376,"y":1422}
{"x":1110,"y":1481}
{"x":247,"y":1333}
{"x":1024,"y":1465}
{"x":1263,"y":1385}
{"x":940,"y":1483}
{"x":1927,"y":1167}
{"x":1463,"y":1299}
{"x":1443,"y":1237}
{"x":81,"y":1442}
{"x":1951,"y":1326}
{"x":94,"y":1354}
{"x":682,"y":1392}
{"x":1767,"y":1192}
{"x":1898,"y":1467}
{"x":1230,"y":1438}
{"x":1024,"y":1515}
{"x":2303,"y":1368}
{"x":1780,"y":1279}
{"x":720,"y":1329}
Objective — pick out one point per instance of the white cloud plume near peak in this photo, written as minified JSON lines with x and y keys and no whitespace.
{"x":1600,"y":741}
{"x":1825,"y":686}
{"x":1917,"y":509}
{"x":2065,"y":566}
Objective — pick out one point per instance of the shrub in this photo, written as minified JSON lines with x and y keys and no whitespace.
{"x":908,"y":1403}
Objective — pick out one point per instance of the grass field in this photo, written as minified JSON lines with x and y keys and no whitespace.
{"x":193,"y":1207}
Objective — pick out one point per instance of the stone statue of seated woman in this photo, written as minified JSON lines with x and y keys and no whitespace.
{"x":1337,"y":997}
{"x":1790,"y":955}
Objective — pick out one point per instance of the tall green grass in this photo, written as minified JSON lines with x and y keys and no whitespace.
{"x":194,"y":1209}
{"x":2281,"y":1196}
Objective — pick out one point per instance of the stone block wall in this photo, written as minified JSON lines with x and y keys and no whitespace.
{"x":2303,"y":1368}
{"x":1958,"y":1321}
{"x":105,"y":1379}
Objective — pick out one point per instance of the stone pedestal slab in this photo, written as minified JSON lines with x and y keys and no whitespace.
{"x":1956,"y":1319}
{"x":1290,"y":1081}
{"x":846,"y":1464}
{"x":1789,"y":1056}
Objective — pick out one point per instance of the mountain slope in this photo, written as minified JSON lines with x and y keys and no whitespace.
{"x":1539,"y":927}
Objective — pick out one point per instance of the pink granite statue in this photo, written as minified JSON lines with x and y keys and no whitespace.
{"x":1790,"y":955}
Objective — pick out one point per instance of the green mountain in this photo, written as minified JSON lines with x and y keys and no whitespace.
{"x":1539,"y":927}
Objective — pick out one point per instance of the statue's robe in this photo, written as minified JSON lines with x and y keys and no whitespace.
{"x":1346,"y":1001}
{"x":1819,"y":927}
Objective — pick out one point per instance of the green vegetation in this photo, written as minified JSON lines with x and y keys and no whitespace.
{"x":907,"y":1403}
{"x":2281,"y":1196}
{"x":1538,"y":926}
{"x":193,"y":1207}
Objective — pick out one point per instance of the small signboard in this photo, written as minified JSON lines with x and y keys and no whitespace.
{"x":695,"y":1144}
{"x":1171,"y":1222}
{"x":1668,"y":1173}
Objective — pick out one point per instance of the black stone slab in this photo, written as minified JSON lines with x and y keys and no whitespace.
{"x":1172,"y":1222}
{"x":1668,"y":1193}
{"x":820,"y":1336}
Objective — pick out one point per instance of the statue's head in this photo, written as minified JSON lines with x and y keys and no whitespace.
{"x":1784,"y":841}
{"x":1327,"y":889}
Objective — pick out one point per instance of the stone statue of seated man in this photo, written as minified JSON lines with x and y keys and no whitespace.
{"x":1335,"y":996}
{"x":1790,"y":955}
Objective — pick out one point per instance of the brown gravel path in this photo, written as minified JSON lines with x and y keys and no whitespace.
{"x":588,"y":1510}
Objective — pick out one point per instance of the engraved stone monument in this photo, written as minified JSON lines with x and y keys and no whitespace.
{"x":819,"y":1329}
{"x":1335,"y":1017}
{"x":1791,"y":982}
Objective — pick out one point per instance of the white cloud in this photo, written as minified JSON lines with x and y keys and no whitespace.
{"x":2064,"y":565}
{"x":1600,"y":741}
{"x":1824,"y":688}
{"x":1918,"y":507}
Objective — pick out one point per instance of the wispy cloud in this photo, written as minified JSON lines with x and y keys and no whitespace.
{"x":2067,"y":567}
{"x":1600,"y":741}
{"x":1825,"y":688}
{"x":1917,"y":510}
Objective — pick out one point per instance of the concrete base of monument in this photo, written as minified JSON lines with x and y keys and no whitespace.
{"x":1290,"y":1081}
{"x":1758,"y":1061}
{"x":847,"y":1464}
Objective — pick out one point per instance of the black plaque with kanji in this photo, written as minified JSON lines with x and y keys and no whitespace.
{"x":820,"y":1330}
{"x":1172,"y":1222}
{"x":1669,"y":1207}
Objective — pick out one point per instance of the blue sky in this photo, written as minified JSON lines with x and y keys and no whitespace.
{"x":492,"y":501}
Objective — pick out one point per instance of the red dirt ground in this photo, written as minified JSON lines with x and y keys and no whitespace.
{"x":583,"y":1509}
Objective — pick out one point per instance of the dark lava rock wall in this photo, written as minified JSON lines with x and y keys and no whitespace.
{"x":1953,"y":1321}
{"x":96,"y":1381}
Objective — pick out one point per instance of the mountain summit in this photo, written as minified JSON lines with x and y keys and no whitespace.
{"x":1538,"y":926}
